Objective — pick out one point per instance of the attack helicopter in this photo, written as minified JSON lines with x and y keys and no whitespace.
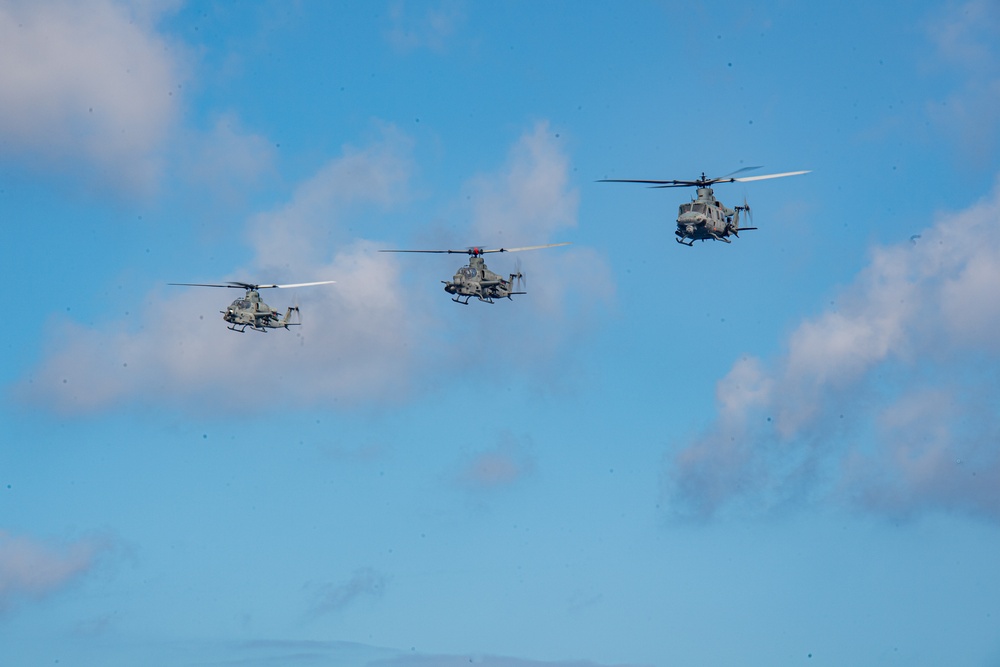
{"x":706,"y":217}
{"x":475,"y":280}
{"x":251,"y":311}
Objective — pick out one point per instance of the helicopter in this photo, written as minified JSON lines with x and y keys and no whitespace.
{"x":250,"y":311}
{"x":475,"y":280}
{"x":706,"y":217}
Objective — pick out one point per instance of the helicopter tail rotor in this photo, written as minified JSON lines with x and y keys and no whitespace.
{"x":517,"y":280}
{"x":747,"y":212}
{"x":287,"y":320}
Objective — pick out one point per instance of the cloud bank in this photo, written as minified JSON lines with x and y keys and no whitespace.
{"x":354,"y":340}
{"x":88,"y":87}
{"x":888,"y":401}
{"x":367,"y":339}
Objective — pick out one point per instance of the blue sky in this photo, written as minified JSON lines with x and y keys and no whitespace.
{"x":782,"y":451}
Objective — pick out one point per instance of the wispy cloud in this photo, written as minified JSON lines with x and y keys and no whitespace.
{"x":279,"y":653}
{"x":89,"y":87}
{"x":429,"y":27}
{"x":421,"y":660}
{"x":367,"y":338}
{"x":497,"y":467}
{"x":33,"y":569}
{"x":887,"y":401}
{"x":964,"y":35}
{"x":333,"y":597}
{"x":226,"y":159}
{"x":315,"y":220}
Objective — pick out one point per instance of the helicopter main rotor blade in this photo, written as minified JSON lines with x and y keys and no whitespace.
{"x":232,"y":285}
{"x":739,"y":171}
{"x":746,"y":179}
{"x":480,"y":251}
{"x":461,"y":252}
{"x":321,"y":282}
{"x":238,"y":285}
{"x":662,"y":184}
{"x":530,"y":247}
{"x":703,"y":181}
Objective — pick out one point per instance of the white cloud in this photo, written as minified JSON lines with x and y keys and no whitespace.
{"x":530,"y":198}
{"x":312,"y":222}
{"x":353,"y":344}
{"x":33,"y":569}
{"x":88,"y":86}
{"x":368,"y":338}
{"x":531,"y":201}
{"x":355,"y":340}
{"x":888,"y":400}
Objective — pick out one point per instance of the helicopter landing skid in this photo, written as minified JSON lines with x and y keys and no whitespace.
{"x":689,"y":244}
{"x":458,"y":300}
{"x":243,"y":328}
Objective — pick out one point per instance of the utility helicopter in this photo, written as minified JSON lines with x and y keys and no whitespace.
{"x":475,"y":280}
{"x":706,"y":217}
{"x":251,"y":311}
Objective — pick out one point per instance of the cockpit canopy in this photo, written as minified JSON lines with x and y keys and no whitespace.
{"x":693,"y":207}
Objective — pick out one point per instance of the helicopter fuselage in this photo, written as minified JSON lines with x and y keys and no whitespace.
{"x":475,"y":280}
{"x":707,"y":218}
{"x":251,"y":311}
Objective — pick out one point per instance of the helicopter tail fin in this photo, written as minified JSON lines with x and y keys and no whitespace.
{"x":286,"y":320}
